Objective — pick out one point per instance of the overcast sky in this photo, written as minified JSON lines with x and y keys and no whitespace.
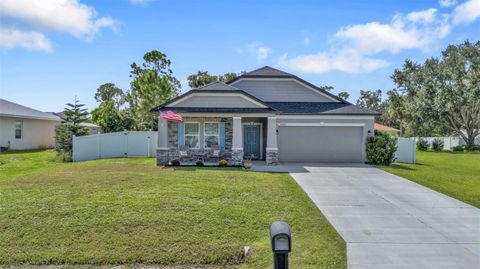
{"x":54,"y":50}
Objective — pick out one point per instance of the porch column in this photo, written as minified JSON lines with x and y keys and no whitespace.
{"x":237,"y":141}
{"x":272,"y":148}
{"x":162,"y":143}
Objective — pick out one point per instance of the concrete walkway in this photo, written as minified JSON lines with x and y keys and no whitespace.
{"x":390,"y":222}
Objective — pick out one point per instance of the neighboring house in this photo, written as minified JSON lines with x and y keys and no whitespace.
{"x":385,"y":128}
{"x":266,"y":114}
{"x":22,"y":127}
{"x":92,"y":128}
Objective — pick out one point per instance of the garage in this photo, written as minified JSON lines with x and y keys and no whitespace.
{"x":319,"y":143}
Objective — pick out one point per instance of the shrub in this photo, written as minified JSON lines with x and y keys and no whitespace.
{"x":466,"y":148}
{"x":381,"y":148}
{"x":422,"y":144}
{"x":175,"y":163}
{"x":199,"y":163}
{"x":222,"y":163}
{"x":437,"y":144}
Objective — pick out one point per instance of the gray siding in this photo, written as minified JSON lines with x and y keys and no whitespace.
{"x":280,"y":91}
{"x":216,"y":101}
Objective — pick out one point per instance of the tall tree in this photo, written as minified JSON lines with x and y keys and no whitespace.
{"x":110,"y":118}
{"x":446,"y":90}
{"x":74,"y":115}
{"x":109,"y":92}
{"x":370,"y":99}
{"x":202,"y":78}
{"x":326,"y":88}
{"x":394,"y":113}
{"x":344,"y":95}
{"x":153,"y":84}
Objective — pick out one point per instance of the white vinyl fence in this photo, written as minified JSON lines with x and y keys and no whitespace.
{"x":448,"y":141}
{"x":406,"y":150}
{"x":114,"y":145}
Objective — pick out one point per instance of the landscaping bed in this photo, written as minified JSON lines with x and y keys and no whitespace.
{"x":456,"y":174}
{"x":130,"y":212}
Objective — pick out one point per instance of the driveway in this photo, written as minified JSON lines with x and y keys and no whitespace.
{"x":390,"y":222}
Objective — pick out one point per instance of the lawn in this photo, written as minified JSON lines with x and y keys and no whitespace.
{"x":128,"y":211}
{"x":454,"y":174}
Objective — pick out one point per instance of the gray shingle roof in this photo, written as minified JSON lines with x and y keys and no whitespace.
{"x":220,"y":109}
{"x":217,"y":85}
{"x":11,"y":109}
{"x":268,"y":71}
{"x":305,"y":108}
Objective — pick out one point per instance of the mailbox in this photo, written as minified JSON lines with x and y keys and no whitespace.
{"x":281,"y":240}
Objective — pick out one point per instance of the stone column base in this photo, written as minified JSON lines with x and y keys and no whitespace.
{"x":272,"y":156}
{"x":237,"y":156}
{"x":163,"y":157}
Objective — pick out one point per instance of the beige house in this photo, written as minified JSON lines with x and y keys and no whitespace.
{"x":22,"y":127}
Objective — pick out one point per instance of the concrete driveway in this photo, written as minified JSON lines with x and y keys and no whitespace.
{"x":390,"y":222}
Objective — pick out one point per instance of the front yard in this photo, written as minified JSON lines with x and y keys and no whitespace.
{"x":455,"y":174}
{"x":127,"y":211}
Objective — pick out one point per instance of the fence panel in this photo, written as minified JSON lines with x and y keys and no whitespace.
{"x":114,"y":145}
{"x":406,"y":150}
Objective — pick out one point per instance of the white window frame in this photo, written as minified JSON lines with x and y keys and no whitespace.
{"x":205,"y":134}
{"x":21,"y":129}
{"x":197,"y":135}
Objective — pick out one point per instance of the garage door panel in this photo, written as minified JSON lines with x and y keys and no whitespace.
{"x":320,"y":144}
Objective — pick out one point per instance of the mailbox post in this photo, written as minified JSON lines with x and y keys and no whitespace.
{"x":281,"y":240}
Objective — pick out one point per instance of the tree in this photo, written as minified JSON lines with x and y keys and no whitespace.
{"x":394,"y":113}
{"x":344,"y":95}
{"x":445,"y":91}
{"x":74,"y":115}
{"x":109,"y":92}
{"x":326,"y":88}
{"x":202,"y":78}
{"x":370,"y":99}
{"x":153,"y":84}
{"x":109,"y":117}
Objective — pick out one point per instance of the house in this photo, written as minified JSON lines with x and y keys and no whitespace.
{"x":92,"y":128}
{"x":22,"y":127}
{"x":266,"y":114}
{"x":385,"y":128}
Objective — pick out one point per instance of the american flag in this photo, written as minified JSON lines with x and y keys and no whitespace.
{"x":170,"y":115}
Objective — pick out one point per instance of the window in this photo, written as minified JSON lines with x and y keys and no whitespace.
{"x":18,"y":129}
{"x":211,"y":134}
{"x":192,"y":134}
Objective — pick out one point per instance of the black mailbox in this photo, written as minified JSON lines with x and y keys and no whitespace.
{"x":281,"y":240}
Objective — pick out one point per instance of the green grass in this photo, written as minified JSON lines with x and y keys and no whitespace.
{"x":128,"y":211}
{"x":454,"y":174}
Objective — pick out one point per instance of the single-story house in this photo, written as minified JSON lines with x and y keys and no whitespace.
{"x":23,"y":127}
{"x":266,"y":114}
{"x":385,"y":128}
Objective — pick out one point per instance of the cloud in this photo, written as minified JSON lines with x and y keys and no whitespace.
{"x":140,"y":2}
{"x":10,"y":38}
{"x":354,"y":47}
{"x":447,"y":3}
{"x":260,"y":52}
{"x":306,"y":41}
{"x":66,"y":16}
{"x":466,"y":12}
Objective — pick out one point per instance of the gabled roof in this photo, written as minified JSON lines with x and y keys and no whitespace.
{"x":14,"y":110}
{"x":200,"y":90}
{"x":381,"y":127}
{"x":314,"y":108}
{"x":217,"y":85}
{"x":270,"y":72}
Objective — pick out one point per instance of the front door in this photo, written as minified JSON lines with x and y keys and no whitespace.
{"x":251,"y":141}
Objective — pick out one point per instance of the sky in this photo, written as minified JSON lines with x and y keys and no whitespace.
{"x":54,"y":50}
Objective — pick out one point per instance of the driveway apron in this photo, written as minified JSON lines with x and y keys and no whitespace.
{"x":390,"y":222}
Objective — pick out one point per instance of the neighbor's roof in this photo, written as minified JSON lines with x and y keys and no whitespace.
{"x":14,"y":110}
{"x":268,"y":71}
{"x":312,"y":108}
{"x":381,"y":127}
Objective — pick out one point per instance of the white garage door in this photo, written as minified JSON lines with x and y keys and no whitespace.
{"x":320,"y":144}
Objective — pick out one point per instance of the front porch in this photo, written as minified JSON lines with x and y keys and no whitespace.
{"x":218,"y":137}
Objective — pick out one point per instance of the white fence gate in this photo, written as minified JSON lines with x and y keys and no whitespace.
{"x":114,"y":145}
{"x":406,"y":150}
